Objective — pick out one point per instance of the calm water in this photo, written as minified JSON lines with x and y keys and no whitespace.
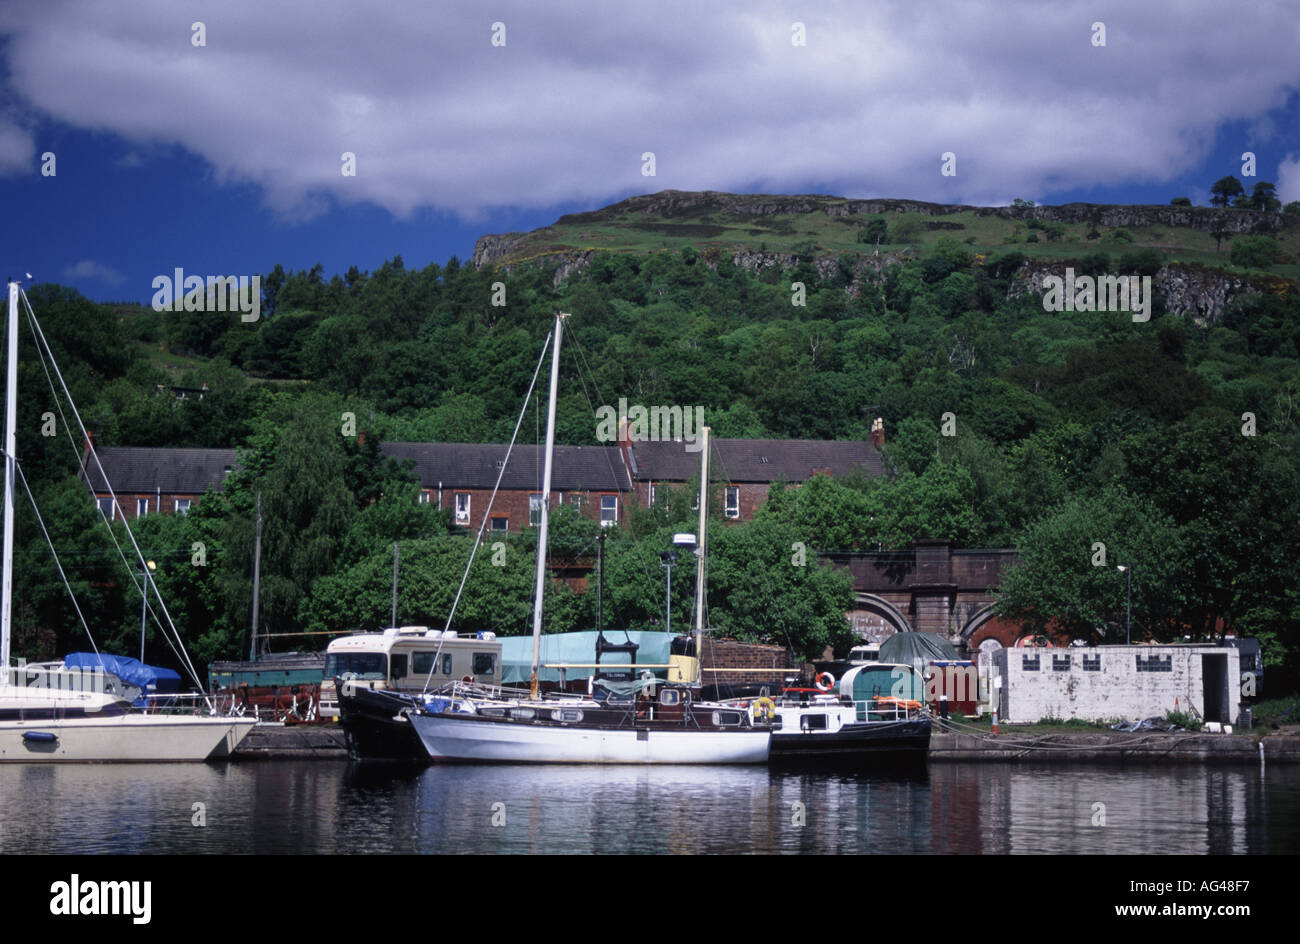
{"x":326,"y":807}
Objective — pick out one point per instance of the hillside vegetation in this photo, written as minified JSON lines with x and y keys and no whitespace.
{"x":1085,"y":439}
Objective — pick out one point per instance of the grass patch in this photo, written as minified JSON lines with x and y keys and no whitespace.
{"x":1276,"y":712}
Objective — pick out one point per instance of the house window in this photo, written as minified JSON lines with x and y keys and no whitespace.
{"x":500,"y":524}
{"x":1092,"y":663}
{"x":462,"y":506}
{"x":576,"y":500}
{"x":141,"y":507}
{"x":608,"y":510}
{"x":732,"y":501}
{"x":1029,"y":664}
{"x":655,"y":494}
{"x":182,"y":506}
{"x":534,"y":510}
{"x":425,"y":498}
{"x":106,"y":506}
{"x":1061,"y":663}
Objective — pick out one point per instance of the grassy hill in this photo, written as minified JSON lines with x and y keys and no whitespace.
{"x":717,"y":223}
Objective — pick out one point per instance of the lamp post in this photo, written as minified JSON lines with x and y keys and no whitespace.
{"x":145,"y":567}
{"x":1127,"y":570}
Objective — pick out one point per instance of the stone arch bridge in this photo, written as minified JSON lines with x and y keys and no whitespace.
{"x":929,"y":588}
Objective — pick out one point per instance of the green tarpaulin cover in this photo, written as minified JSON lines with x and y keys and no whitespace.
{"x":906,"y":648}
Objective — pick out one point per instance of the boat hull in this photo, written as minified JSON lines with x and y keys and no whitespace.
{"x":855,"y":745}
{"x":124,"y":738}
{"x":376,"y":728}
{"x":458,"y":737}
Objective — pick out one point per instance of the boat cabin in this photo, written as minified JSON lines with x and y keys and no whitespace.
{"x":403,"y":659}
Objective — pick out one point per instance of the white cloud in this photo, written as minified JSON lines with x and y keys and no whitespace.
{"x":438,"y":117}
{"x":17,"y":150}
{"x":1288,"y":179}
{"x":95,"y":271}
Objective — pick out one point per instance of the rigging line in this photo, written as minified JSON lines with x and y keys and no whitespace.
{"x":182,"y":654}
{"x":43,"y":351}
{"x":55,"y":554}
{"x":478,"y":538}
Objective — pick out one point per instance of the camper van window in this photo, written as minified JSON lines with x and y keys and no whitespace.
{"x":446,"y":664}
{"x":399,"y":666}
{"x":484,"y":663}
{"x":422,"y":662}
{"x":364,"y":665}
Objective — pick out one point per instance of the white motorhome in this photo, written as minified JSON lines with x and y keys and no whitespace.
{"x":406,"y":658}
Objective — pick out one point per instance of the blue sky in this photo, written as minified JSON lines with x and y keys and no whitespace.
{"x":225,"y":157}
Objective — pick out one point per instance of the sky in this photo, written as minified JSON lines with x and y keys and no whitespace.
{"x":225,"y":136}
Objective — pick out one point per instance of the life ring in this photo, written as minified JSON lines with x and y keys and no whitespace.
{"x":827,"y":685}
{"x":764,"y":709}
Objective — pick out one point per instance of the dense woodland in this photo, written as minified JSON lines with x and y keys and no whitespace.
{"x":1067,"y":432}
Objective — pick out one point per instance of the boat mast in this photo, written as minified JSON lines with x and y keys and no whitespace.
{"x":11,"y":452}
{"x":545,"y":509}
{"x":257,"y":578}
{"x":699,"y":551}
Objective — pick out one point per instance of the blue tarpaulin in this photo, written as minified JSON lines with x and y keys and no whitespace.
{"x":149,"y":678}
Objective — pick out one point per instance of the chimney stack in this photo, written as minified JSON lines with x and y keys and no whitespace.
{"x":878,"y":433}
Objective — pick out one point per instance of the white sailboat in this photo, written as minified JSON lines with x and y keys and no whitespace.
{"x":671,"y":729}
{"x":68,"y":715}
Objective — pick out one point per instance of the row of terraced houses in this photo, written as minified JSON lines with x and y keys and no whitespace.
{"x":599,"y":480}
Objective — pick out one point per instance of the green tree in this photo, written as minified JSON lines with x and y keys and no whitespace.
{"x":1181,"y":201}
{"x":1254,"y":252}
{"x":1066,"y":576}
{"x":1263,"y":197}
{"x":1225,"y":190}
{"x":874,"y":232}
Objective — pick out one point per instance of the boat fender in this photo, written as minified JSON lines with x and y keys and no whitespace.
{"x":824,"y":682}
{"x":40,"y":737}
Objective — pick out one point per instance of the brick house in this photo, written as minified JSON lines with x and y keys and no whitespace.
{"x":460,"y":476}
{"x":149,"y":480}
{"x":745,"y":468}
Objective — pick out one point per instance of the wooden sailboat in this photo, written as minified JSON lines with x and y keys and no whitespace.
{"x":670,"y":728}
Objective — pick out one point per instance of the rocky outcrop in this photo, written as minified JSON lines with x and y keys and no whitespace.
{"x":491,"y":248}
{"x":1189,"y":290}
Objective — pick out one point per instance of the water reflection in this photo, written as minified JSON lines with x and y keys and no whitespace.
{"x":328,"y":808}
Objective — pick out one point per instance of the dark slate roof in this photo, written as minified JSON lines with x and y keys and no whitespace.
{"x":743,"y":460}
{"x":139,"y":470}
{"x":474,"y":465}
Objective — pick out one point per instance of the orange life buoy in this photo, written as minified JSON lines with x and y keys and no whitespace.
{"x":829,"y":682}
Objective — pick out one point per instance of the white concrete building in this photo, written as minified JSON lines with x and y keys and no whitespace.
{"x":1109,"y":683}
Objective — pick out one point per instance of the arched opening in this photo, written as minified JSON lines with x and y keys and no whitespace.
{"x":879,"y":618}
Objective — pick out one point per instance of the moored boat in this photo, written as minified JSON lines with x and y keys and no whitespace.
{"x":872,"y":716}
{"x":68,"y":714}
